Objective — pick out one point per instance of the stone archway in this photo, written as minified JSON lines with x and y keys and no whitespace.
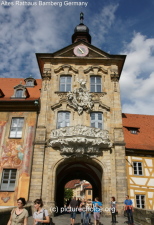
{"x":78,"y":168}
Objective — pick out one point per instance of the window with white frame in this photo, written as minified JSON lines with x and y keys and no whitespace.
{"x":29,"y":83}
{"x":16,"y":127}
{"x":63,"y":119}
{"x":137,"y":168}
{"x":140,"y":201}
{"x":65,"y":83}
{"x":96,"y":120}
{"x":8,"y":180}
{"x":19,"y":93}
{"x":95,"y":84}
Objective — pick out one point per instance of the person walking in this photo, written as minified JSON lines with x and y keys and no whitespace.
{"x":88,"y":212}
{"x":113,"y":209}
{"x":73,"y":209}
{"x":40,"y":215}
{"x":79,"y":202}
{"x":83,"y":211}
{"x":97,"y":210}
{"x":19,"y":215}
{"x":129,"y":210}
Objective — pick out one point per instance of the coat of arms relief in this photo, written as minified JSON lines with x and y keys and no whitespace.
{"x":80,"y":99}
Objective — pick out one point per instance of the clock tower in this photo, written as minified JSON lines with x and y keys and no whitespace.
{"x":79,"y":132}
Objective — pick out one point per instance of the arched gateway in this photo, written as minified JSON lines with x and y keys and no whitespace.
{"x":78,"y":168}
{"x":79,"y":131}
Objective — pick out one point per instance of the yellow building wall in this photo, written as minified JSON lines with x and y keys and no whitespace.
{"x":16,"y":153}
{"x":141,"y":184}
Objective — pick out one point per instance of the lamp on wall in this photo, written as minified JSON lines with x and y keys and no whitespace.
{"x":36,"y":103}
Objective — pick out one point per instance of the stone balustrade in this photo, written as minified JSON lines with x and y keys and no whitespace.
{"x":144,"y":216}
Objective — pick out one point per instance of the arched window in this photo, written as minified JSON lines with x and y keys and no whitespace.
{"x":19,"y":93}
{"x":65,"y":83}
{"x":95,"y":84}
{"x":63,"y":119}
{"x":30,"y":83}
{"x":96,"y":120}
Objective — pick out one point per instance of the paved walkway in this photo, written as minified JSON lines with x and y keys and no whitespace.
{"x":64,"y":219}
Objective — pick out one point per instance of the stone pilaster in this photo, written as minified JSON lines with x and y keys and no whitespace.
{"x":39,"y":147}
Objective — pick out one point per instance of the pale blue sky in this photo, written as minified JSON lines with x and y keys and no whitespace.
{"x":116,"y":26}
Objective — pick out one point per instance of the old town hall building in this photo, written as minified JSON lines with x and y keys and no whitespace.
{"x":69,"y":125}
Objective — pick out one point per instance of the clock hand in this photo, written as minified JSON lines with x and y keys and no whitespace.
{"x":81,"y":50}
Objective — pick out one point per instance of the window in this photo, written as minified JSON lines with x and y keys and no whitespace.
{"x":140,"y":201}
{"x":63,"y":119}
{"x":65,"y":83}
{"x":95,"y":84}
{"x":89,"y":192}
{"x":16,"y":127}
{"x":133,"y":131}
{"x":137,"y":168}
{"x":8,"y":180}
{"x":96,"y":120}
{"x":30,"y":83}
{"x":19,"y":93}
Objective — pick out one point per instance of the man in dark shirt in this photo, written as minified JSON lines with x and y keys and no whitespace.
{"x":73,"y":209}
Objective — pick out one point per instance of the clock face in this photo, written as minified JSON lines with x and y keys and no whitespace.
{"x":81,"y":50}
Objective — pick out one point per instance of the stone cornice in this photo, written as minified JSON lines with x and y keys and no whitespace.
{"x":66,"y":68}
{"x":119,"y":143}
{"x":102,"y":105}
{"x":95,"y":69}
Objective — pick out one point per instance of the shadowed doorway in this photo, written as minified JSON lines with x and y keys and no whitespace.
{"x":78,"y":168}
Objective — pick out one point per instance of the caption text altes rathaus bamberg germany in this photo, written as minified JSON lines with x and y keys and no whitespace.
{"x":67,"y":126}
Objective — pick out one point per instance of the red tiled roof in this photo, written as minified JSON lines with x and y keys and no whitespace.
{"x":7,"y":87}
{"x":71,"y":184}
{"x":144,"y":139}
{"x":87,"y":186}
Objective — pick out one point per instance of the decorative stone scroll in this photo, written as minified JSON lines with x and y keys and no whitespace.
{"x":80,"y":99}
{"x":80,"y":140}
{"x":114,"y":73}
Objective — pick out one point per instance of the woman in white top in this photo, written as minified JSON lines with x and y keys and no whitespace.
{"x":41,"y":215}
{"x":113,"y":209}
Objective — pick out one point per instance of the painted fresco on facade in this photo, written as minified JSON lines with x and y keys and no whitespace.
{"x":2,"y":124}
{"x":16,"y":154}
{"x":12,"y":155}
{"x":28,"y":150}
{"x":5,"y":197}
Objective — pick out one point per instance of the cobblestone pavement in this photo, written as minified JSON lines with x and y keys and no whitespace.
{"x":64,"y":219}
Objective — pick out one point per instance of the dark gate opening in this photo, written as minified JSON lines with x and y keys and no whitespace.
{"x":83,"y":169}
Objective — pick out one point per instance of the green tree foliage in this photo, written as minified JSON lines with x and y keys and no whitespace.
{"x":68,"y":193}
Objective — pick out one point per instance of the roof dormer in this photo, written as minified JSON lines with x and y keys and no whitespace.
{"x":30,"y":81}
{"x":20,"y":91}
{"x":1,"y":94}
